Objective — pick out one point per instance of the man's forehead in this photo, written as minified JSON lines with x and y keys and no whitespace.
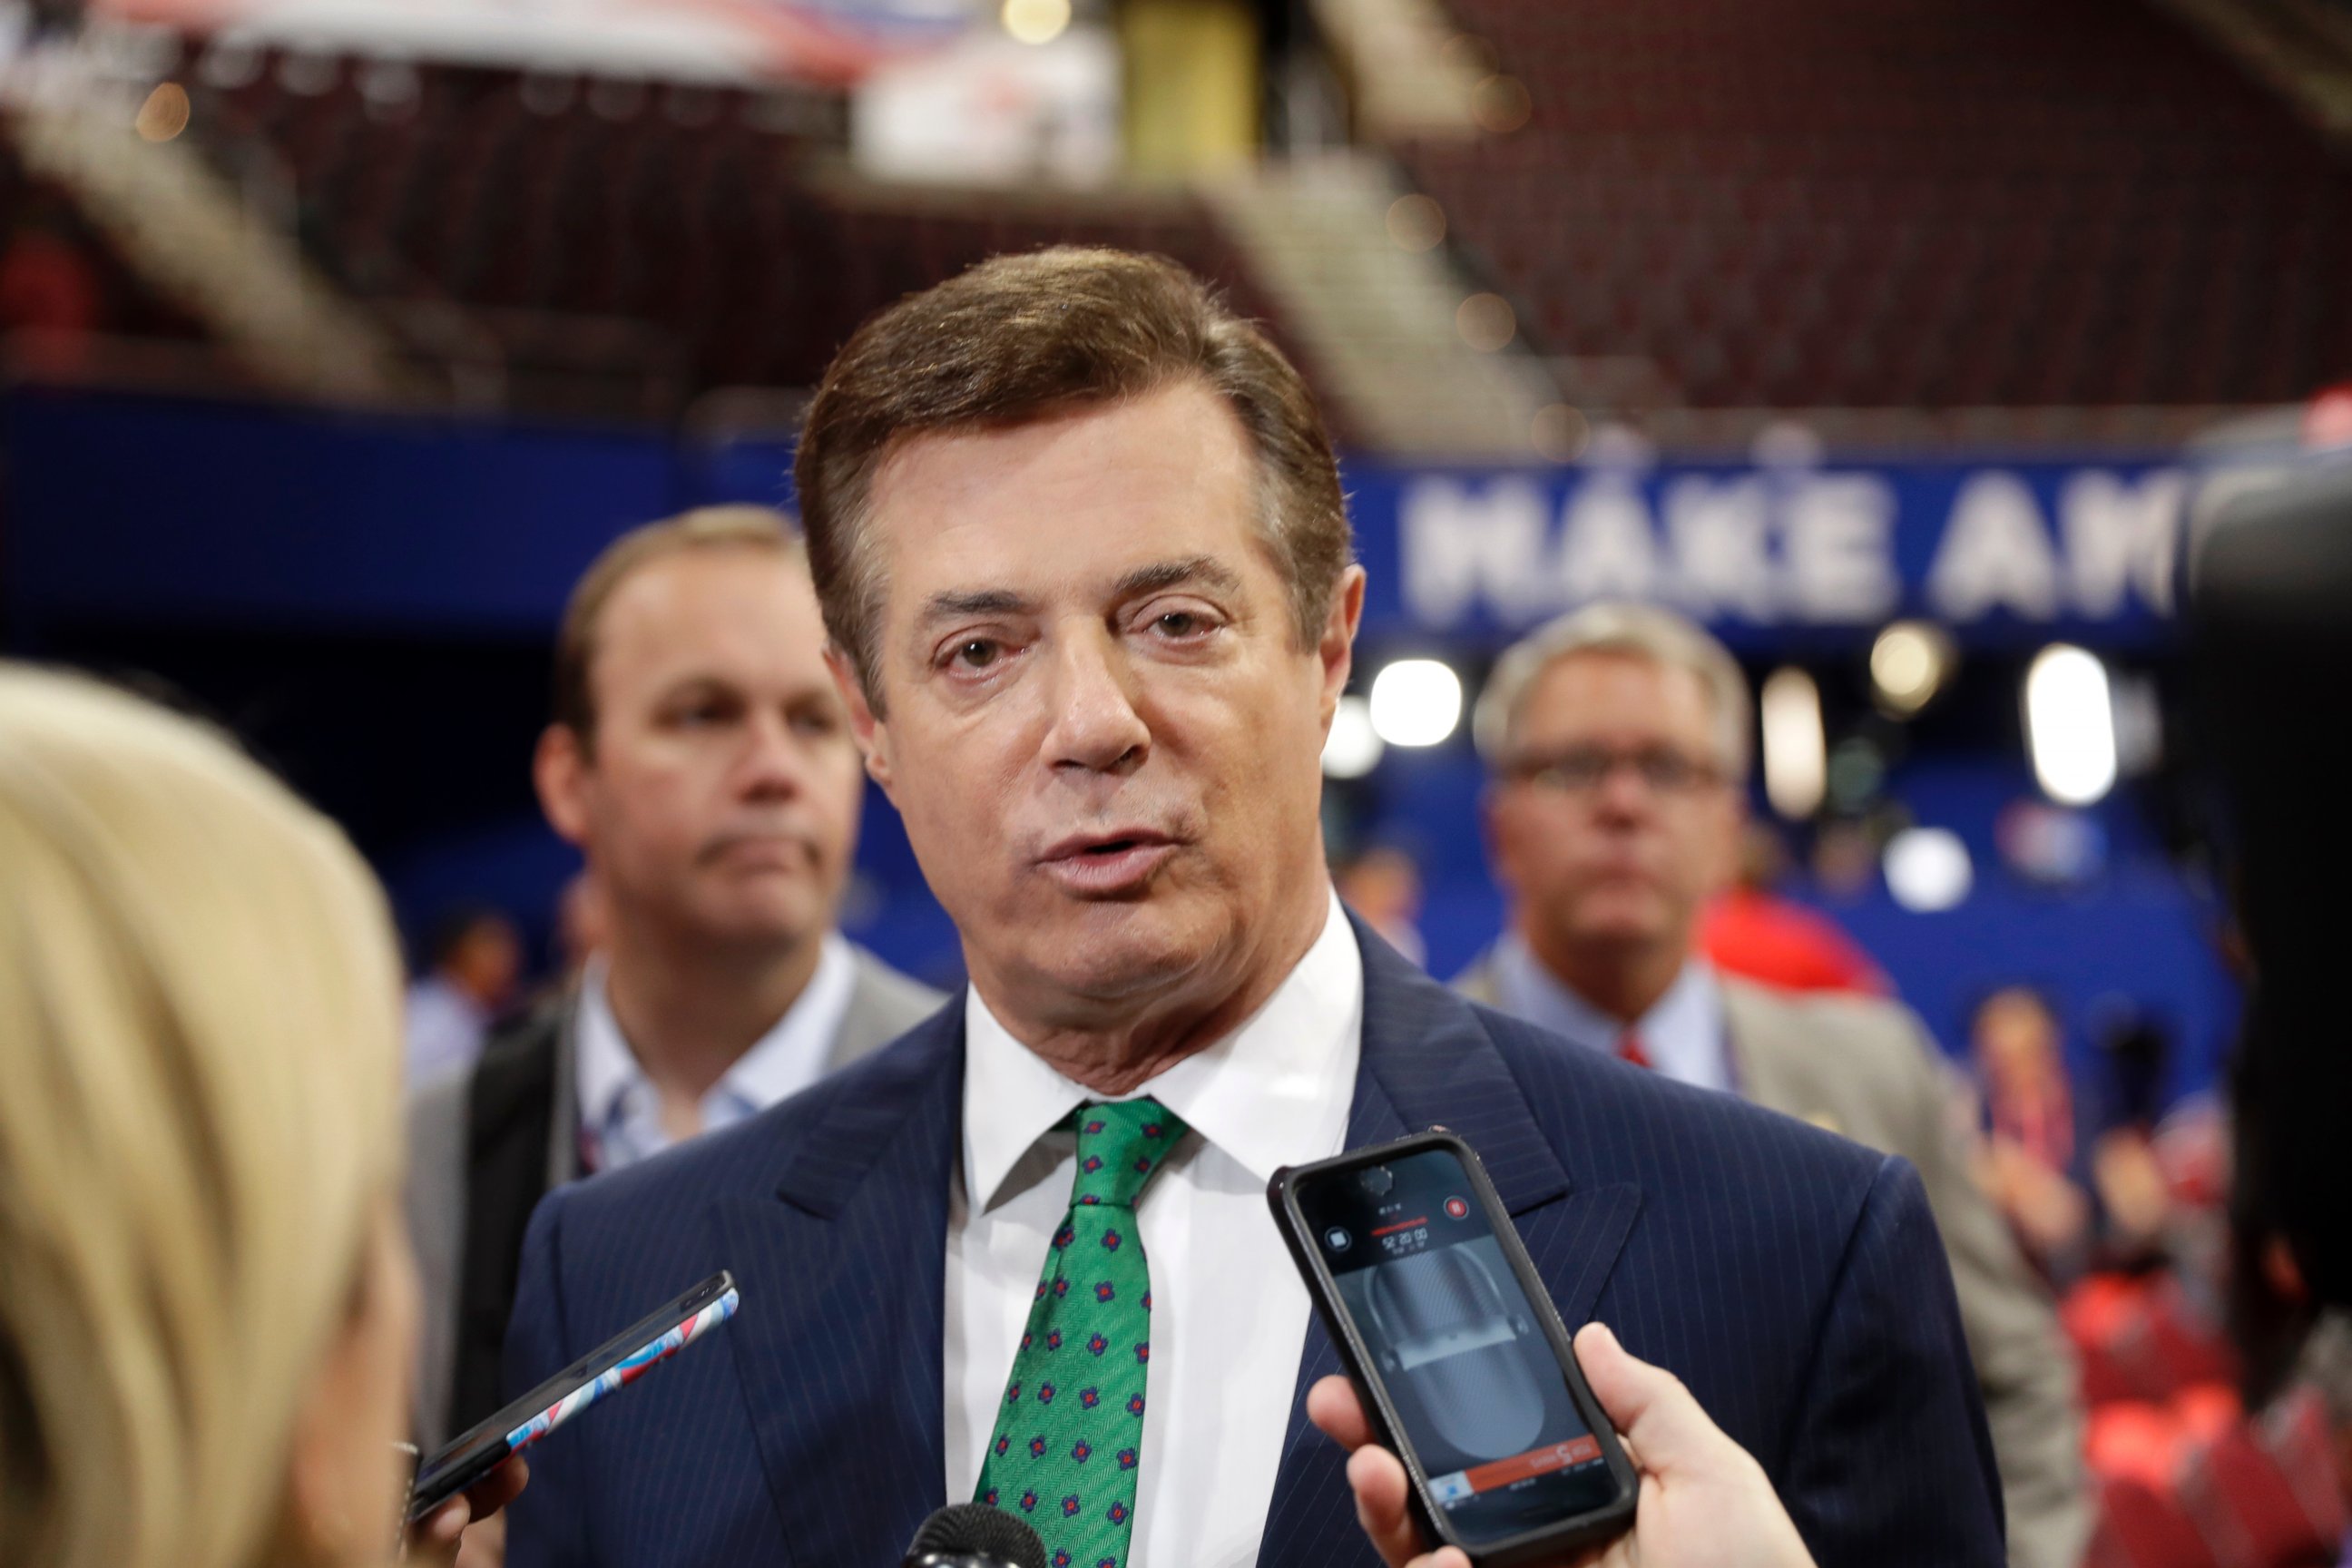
{"x":1591,"y":687}
{"x":1069,"y":438}
{"x":686,"y":588}
{"x":733,"y":607}
{"x":1074,"y":485}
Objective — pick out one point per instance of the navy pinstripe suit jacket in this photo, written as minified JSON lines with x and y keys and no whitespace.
{"x":1792,"y":1279}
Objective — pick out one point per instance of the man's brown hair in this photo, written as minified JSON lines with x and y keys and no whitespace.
{"x":1019,"y":338}
{"x":705,"y":528}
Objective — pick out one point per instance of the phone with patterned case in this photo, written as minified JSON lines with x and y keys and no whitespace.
{"x":610,"y":1367}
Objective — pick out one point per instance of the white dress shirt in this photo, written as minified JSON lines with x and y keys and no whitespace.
{"x":1683,"y":1033}
{"x":444,"y":1027}
{"x":620,"y":1110}
{"x":1229,"y":1314}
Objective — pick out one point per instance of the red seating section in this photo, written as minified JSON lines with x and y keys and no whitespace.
{"x":2186,"y":1479}
{"x":2141,"y":1527}
{"x":1885,"y":202}
{"x":686,"y":211}
{"x":2267,"y":1494}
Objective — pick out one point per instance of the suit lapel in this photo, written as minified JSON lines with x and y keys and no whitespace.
{"x":843,"y":1273}
{"x":1429,"y":1062}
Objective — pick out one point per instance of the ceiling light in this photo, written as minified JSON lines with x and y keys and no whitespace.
{"x":165,"y":114}
{"x":1353,"y":747}
{"x":1487,"y":323}
{"x":1927,"y":870}
{"x":1909,"y":664}
{"x":1036,"y":21}
{"x":1796,"y":750}
{"x":2070,"y":725}
{"x":1416,"y":223}
{"x":1416,"y":702}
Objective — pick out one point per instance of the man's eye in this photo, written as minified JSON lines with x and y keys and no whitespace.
{"x":1182,"y":624}
{"x":1665,"y":771}
{"x":978,"y":653}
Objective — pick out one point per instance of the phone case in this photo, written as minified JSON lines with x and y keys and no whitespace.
{"x":610,"y":1367}
{"x":1534,"y":1547}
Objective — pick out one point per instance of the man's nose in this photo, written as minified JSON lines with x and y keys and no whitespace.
{"x":1096,"y":724}
{"x":1623,"y":794}
{"x":774,"y":764}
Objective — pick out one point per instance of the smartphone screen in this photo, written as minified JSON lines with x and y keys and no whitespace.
{"x":1453,"y":1340}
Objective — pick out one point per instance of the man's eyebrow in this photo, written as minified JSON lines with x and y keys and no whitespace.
{"x":975,"y":601}
{"x":1205,"y":570}
{"x":694,"y":682}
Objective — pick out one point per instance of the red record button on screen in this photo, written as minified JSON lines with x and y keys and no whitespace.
{"x":1457,"y":1208}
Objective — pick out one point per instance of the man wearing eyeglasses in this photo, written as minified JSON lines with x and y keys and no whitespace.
{"x":1618,"y":737}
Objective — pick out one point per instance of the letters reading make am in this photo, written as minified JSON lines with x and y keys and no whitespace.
{"x":1832,"y":547}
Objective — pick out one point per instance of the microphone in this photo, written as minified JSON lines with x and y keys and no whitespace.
{"x":974,"y":1535}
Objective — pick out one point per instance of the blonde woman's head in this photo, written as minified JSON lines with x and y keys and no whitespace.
{"x":204,"y":1304}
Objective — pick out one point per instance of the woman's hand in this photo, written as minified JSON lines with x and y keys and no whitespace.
{"x":435,"y":1538}
{"x":1705,"y":1503}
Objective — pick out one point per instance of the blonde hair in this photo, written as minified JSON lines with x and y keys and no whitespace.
{"x":1640,"y":631}
{"x":199,"y":1003}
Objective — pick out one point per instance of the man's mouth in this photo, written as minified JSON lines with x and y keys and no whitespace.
{"x":1116,"y":842}
{"x":1108,"y":865}
{"x":758,"y":849}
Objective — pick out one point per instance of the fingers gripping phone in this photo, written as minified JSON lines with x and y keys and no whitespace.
{"x":1462,"y":1362}
{"x":611,"y":1366}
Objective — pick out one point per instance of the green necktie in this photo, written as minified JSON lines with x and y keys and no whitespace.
{"x":1069,"y":1436}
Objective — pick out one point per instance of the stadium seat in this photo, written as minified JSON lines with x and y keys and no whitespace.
{"x":2117,"y":213}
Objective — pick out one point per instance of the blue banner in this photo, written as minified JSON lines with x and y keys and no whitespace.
{"x":1772,"y":556}
{"x":121,"y":506}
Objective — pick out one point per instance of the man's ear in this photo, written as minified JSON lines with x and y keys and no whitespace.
{"x":872,"y":733}
{"x":1336,"y":649}
{"x":560,"y":770}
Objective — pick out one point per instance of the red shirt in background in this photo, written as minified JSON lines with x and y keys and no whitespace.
{"x":1779,"y":942}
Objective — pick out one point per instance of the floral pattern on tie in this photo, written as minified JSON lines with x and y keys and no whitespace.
{"x":1069,"y":1436}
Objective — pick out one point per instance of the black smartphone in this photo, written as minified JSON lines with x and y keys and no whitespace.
{"x":1459,"y":1357}
{"x":613,"y":1365}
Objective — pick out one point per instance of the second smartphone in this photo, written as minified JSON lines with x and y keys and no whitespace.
{"x":1463,"y":1365}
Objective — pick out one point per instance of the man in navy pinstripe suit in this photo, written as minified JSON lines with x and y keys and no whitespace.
{"x":1085,"y":568}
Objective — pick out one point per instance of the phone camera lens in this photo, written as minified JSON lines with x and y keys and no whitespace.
{"x":1377,"y":1181}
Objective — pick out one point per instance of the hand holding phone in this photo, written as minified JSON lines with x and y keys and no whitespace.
{"x":1461,"y":1369}
{"x":1705,"y":1502}
{"x":469,"y":1519}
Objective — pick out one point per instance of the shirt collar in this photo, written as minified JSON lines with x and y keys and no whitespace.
{"x":1683,"y":1032}
{"x":1275,"y":1091}
{"x":607,"y":1068}
{"x":783,"y":1061}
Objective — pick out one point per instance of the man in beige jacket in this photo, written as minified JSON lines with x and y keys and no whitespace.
{"x":1618,"y":738}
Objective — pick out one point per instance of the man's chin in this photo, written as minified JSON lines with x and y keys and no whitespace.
{"x":774,"y":922}
{"x":1107,"y":951}
{"x":1620,"y":930}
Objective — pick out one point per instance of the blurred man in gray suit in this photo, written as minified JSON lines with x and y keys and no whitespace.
{"x":701,"y":758}
{"x":1618,"y":737}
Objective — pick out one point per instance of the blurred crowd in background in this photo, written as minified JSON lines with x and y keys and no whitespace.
{"x":1902,"y":345}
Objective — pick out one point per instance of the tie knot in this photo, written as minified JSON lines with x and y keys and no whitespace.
{"x":1120,"y":1144}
